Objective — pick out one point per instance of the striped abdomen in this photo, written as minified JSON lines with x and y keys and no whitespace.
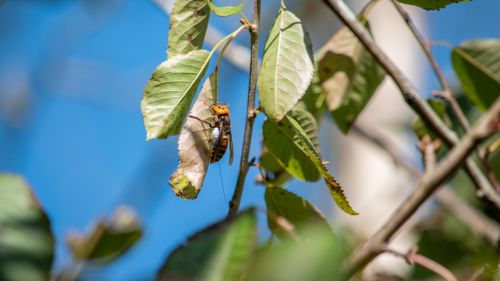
{"x":219,"y":146}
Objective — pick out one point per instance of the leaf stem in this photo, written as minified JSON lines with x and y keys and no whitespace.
{"x":228,"y":40}
{"x":247,"y":139}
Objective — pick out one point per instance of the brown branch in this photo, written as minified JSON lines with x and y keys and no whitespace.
{"x":446,"y":94}
{"x":411,"y":95}
{"x":254,"y":65}
{"x":429,"y":182}
{"x":477,"y":222}
{"x":412,"y":257}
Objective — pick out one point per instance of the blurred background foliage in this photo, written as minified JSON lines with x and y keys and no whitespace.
{"x":72,"y":75}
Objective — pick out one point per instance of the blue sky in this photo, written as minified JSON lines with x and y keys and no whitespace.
{"x":71,"y":80}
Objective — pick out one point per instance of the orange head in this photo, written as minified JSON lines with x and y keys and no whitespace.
{"x":220,"y":109}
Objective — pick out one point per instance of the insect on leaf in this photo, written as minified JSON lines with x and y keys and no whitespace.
{"x":188,"y":25}
{"x":477,"y":65}
{"x":222,"y":252}
{"x":287,"y":66}
{"x":194,"y":146}
{"x":227,"y":10}
{"x":170,"y":91}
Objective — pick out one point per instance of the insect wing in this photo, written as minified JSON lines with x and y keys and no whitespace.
{"x":231,"y":152}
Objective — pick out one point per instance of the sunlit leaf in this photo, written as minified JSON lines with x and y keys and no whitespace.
{"x":170,"y":91}
{"x":194,"y":146}
{"x":318,"y":258}
{"x":283,"y":142}
{"x":477,"y":65}
{"x":349,"y":76}
{"x":287,"y":66}
{"x":221,"y":252}
{"x":108,"y":239}
{"x":295,"y":209}
{"x":431,"y":4}
{"x":296,"y":152}
{"x":188,"y":25}
{"x":26,"y":241}
{"x":226,"y":11}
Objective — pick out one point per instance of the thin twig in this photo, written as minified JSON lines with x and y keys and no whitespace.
{"x":476,"y":221}
{"x":247,"y":140}
{"x":429,"y":182}
{"x":412,"y":257}
{"x":446,"y":94}
{"x":411,"y":95}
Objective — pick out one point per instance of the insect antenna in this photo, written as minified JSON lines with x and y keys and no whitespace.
{"x":222,"y":184}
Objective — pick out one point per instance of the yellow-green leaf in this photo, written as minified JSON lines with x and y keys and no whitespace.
{"x":188,"y":25}
{"x":287,"y":66}
{"x":170,"y":91}
{"x":226,"y":11}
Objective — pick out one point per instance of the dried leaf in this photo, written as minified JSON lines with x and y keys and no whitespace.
{"x":194,"y":146}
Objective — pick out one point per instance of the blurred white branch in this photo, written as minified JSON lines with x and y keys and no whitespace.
{"x":236,"y":54}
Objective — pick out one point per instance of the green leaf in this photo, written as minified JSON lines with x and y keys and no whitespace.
{"x":170,"y":91}
{"x":349,"y":75}
{"x":195,"y":145}
{"x":294,"y":150}
{"x":26,"y":241}
{"x":477,"y":65}
{"x":431,"y":4}
{"x":108,"y":240}
{"x":318,"y":258}
{"x":295,"y":209}
{"x":227,"y":10}
{"x":284,"y":144}
{"x":287,"y":66}
{"x":221,"y":252}
{"x":419,"y":126}
{"x":188,"y":25}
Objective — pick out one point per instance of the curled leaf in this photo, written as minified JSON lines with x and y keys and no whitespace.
{"x":227,"y":10}
{"x":194,"y":146}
